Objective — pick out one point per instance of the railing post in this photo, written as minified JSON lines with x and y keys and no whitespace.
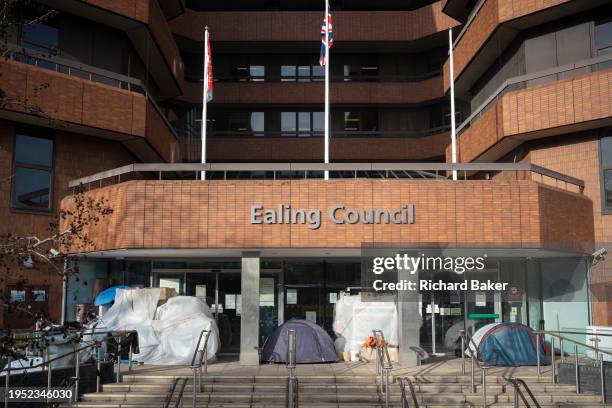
{"x":463,"y":352}
{"x":130,"y":358}
{"x":516,"y":397}
{"x":602,"y":379}
{"x":194,"y":387}
{"x":561,"y":348}
{"x":48,"y":369}
{"x":472,"y":372}
{"x":538,"y":342}
{"x":577,"y":368}
{"x":483,"y":370}
{"x":552,"y":360}
{"x":77,"y":367}
{"x":7,"y":381}
{"x":98,"y":367}
{"x":119,"y":362}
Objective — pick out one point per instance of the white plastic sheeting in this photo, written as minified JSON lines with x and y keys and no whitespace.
{"x":354,"y":321}
{"x":167,"y":334}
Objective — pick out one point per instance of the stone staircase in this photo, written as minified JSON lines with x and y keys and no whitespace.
{"x":433,"y":391}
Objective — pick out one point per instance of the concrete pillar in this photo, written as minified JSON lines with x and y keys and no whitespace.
{"x":409,"y":320}
{"x":249,"y":320}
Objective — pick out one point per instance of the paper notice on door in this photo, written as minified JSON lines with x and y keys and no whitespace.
{"x":230,"y":301}
{"x":292,"y":296}
{"x":311,"y":315}
{"x":201,"y":291}
{"x":238,"y":305}
{"x":481,"y":299}
{"x":266,"y":292}
{"x":333,"y":298}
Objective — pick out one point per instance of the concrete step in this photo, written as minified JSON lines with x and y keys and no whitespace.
{"x":333,"y":405}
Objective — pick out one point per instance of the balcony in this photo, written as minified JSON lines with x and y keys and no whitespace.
{"x":343,"y":90}
{"x":145,"y":24}
{"x":212,"y":216}
{"x":493,"y":24}
{"x":517,"y":112}
{"x":300,"y":26}
{"x":345,"y":146}
{"x":86,"y":100}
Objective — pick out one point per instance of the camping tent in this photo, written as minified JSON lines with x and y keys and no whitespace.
{"x":507,"y":344}
{"x":313,"y":344}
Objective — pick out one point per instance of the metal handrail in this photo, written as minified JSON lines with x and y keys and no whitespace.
{"x":75,"y":352}
{"x":402,"y":384}
{"x":474,"y":360}
{"x":197,"y":367}
{"x":171,"y":393}
{"x":383,"y":363}
{"x":305,"y":167}
{"x":179,"y":401}
{"x":516,"y":383}
{"x":599,"y":354}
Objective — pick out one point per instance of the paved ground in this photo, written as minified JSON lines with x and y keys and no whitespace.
{"x":231,"y":366}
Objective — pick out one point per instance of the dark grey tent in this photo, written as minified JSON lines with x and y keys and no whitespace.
{"x":313,"y":344}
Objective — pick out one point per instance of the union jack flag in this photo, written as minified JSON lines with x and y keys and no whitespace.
{"x":323,"y":56}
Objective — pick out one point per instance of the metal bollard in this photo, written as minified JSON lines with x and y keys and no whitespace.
{"x":7,"y":381}
{"x":577,"y":368}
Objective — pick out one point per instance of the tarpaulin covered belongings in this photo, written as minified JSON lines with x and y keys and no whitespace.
{"x":354,"y":321}
{"x":313,"y":344}
{"x":167,"y":334}
{"x":507,"y":344}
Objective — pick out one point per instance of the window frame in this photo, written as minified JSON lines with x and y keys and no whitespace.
{"x":605,"y":134}
{"x":37,"y":133}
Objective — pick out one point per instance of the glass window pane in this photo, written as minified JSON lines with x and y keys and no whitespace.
{"x":239,"y":121}
{"x":288,"y":121}
{"x":304,"y":73}
{"x":318,"y":122}
{"x":33,"y":150}
{"x":31,"y":188}
{"x":352,"y":121}
{"x":608,"y":189}
{"x":258,"y":72}
{"x":304,"y":122}
{"x":606,"y":153}
{"x":41,"y":34}
{"x":288,"y":72}
{"x":603,"y":34}
{"x":257,"y":121}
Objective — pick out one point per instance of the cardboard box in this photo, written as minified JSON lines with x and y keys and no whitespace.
{"x":166,"y":293}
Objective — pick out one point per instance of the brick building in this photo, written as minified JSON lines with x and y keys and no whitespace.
{"x":122,"y":85}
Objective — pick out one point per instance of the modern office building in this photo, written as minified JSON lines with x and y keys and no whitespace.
{"x":115,"y":83}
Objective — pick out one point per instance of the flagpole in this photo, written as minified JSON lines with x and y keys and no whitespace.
{"x":326,"y":20}
{"x":204,"y":102}
{"x":452,"y":101}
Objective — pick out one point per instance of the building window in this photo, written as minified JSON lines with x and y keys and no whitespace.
{"x":603,"y":41}
{"x":302,"y":123}
{"x":605,"y":151}
{"x":33,"y":172}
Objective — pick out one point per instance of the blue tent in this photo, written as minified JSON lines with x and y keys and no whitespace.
{"x":108,"y":295}
{"x":313,"y":344}
{"x":510,"y":345}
